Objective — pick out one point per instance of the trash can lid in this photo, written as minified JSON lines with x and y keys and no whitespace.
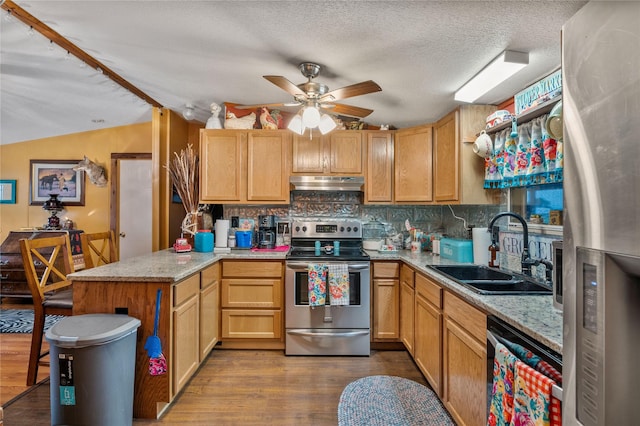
{"x":80,"y":331}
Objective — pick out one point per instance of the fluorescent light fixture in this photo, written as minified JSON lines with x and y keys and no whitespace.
{"x":501,"y":68}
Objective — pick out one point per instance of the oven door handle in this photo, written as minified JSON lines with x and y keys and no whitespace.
{"x":329,"y":333}
{"x":299,"y":266}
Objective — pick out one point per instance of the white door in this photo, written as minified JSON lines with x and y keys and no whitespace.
{"x":134,"y":213}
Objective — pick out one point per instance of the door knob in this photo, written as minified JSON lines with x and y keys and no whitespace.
{"x":123,"y":235}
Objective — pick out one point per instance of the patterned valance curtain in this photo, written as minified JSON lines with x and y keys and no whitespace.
{"x":524,"y":155}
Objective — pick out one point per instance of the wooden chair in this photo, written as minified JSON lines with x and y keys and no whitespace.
{"x":49,"y":287}
{"x":99,"y":245}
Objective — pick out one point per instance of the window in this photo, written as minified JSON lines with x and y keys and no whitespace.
{"x":540,"y":205}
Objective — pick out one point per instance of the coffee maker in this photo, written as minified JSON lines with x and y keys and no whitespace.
{"x":266,"y":231}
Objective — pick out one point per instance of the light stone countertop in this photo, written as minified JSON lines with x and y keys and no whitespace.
{"x":533,"y":315}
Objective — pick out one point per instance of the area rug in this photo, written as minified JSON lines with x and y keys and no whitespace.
{"x":390,"y":400}
{"x":21,"y":320}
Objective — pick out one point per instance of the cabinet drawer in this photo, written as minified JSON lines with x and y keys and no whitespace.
{"x":251,"y":293}
{"x":210,"y":275}
{"x":471,"y":319}
{"x":386,"y":270}
{"x":255,"y":324}
{"x":429,"y":290}
{"x":252,"y":269}
{"x":186,"y":289}
{"x":407,"y":275}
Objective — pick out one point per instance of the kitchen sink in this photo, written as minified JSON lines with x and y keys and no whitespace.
{"x":485,"y":280}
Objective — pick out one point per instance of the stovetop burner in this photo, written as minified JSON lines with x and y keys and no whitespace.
{"x":307,"y":235}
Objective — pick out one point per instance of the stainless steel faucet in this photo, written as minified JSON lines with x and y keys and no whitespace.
{"x":526,"y":261}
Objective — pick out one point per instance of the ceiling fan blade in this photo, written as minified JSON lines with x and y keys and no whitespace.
{"x":357,"y":89}
{"x":286,"y":85}
{"x":280,"y":104}
{"x":348,"y":110}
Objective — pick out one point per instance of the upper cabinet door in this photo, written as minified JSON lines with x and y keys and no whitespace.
{"x":222,"y":165}
{"x":379,"y":175}
{"x":412,"y":165}
{"x":345,"y":152}
{"x":268,"y":159}
{"x":446,"y":159}
{"x":308,"y":154}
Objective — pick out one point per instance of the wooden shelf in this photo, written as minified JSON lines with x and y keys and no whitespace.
{"x":528,"y":115}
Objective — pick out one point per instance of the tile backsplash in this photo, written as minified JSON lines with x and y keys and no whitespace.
{"x":319,"y":205}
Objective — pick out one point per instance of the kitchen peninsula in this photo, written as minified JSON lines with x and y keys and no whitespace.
{"x":190,"y":284}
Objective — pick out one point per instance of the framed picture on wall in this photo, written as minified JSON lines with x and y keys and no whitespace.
{"x":56,"y":177}
{"x":7,"y":191}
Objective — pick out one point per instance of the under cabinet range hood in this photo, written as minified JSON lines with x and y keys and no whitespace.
{"x":327,"y":183}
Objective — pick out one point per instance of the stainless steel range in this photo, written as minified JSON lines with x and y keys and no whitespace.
{"x":327,"y":329}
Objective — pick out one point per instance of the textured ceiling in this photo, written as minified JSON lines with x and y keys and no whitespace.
{"x":200,"y":52}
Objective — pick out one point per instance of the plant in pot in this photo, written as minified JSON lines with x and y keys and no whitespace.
{"x":183,"y":171}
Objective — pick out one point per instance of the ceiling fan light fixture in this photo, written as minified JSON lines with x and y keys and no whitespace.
{"x":327,"y":124}
{"x":296,"y":126}
{"x":311,"y":117}
{"x":500,"y":69}
{"x":189,"y":112}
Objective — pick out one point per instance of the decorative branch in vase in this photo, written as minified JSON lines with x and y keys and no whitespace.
{"x":183,"y":171}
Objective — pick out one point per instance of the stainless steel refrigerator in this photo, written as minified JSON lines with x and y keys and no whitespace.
{"x":601,"y":259}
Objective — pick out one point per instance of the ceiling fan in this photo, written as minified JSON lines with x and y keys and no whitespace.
{"x":316,"y":96}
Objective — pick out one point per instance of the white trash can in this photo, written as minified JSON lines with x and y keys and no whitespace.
{"x":92,"y":371}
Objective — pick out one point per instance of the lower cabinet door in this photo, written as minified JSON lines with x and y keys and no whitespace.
{"x":209,"y":322}
{"x":465,"y":372}
{"x":428,"y":342}
{"x":186,"y":331}
{"x":407,"y":316}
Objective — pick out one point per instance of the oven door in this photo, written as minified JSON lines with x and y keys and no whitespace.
{"x":352,"y":316}
{"x":327,"y":330}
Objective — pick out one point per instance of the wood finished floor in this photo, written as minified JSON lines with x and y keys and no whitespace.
{"x":244,"y":387}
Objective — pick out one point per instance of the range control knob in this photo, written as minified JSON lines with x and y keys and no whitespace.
{"x":304,"y":229}
{"x":355,"y":229}
{"x":348,"y":229}
{"x":342,"y":229}
{"x":297,"y":229}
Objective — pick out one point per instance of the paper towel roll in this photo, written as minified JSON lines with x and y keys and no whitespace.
{"x":481,"y":243}
{"x":222,"y":232}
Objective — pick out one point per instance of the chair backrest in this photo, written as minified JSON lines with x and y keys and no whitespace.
{"x":47,"y":262}
{"x":98,"y":248}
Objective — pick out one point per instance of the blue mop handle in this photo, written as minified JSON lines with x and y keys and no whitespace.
{"x":157,"y":320}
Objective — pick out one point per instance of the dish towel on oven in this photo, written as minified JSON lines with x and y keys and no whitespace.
{"x":531,"y":398}
{"x":501,"y":409}
{"x":317,"y":279}
{"x":338,"y":284}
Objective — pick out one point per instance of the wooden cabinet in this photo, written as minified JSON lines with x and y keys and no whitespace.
{"x":251,"y":304}
{"x":337,"y":153}
{"x":379,"y":168}
{"x":465,"y":361}
{"x":407,"y":294}
{"x":413,"y":165}
{"x":186,"y":334}
{"x":222,"y":166}
{"x":428,"y":331}
{"x":241,"y":166}
{"x":386,"y":304}
{"x":209,"y":309}
{"x":458,"y":173}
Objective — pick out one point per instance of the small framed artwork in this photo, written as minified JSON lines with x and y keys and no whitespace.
{"x":56,"y":177}
{"x":7,"y":191}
